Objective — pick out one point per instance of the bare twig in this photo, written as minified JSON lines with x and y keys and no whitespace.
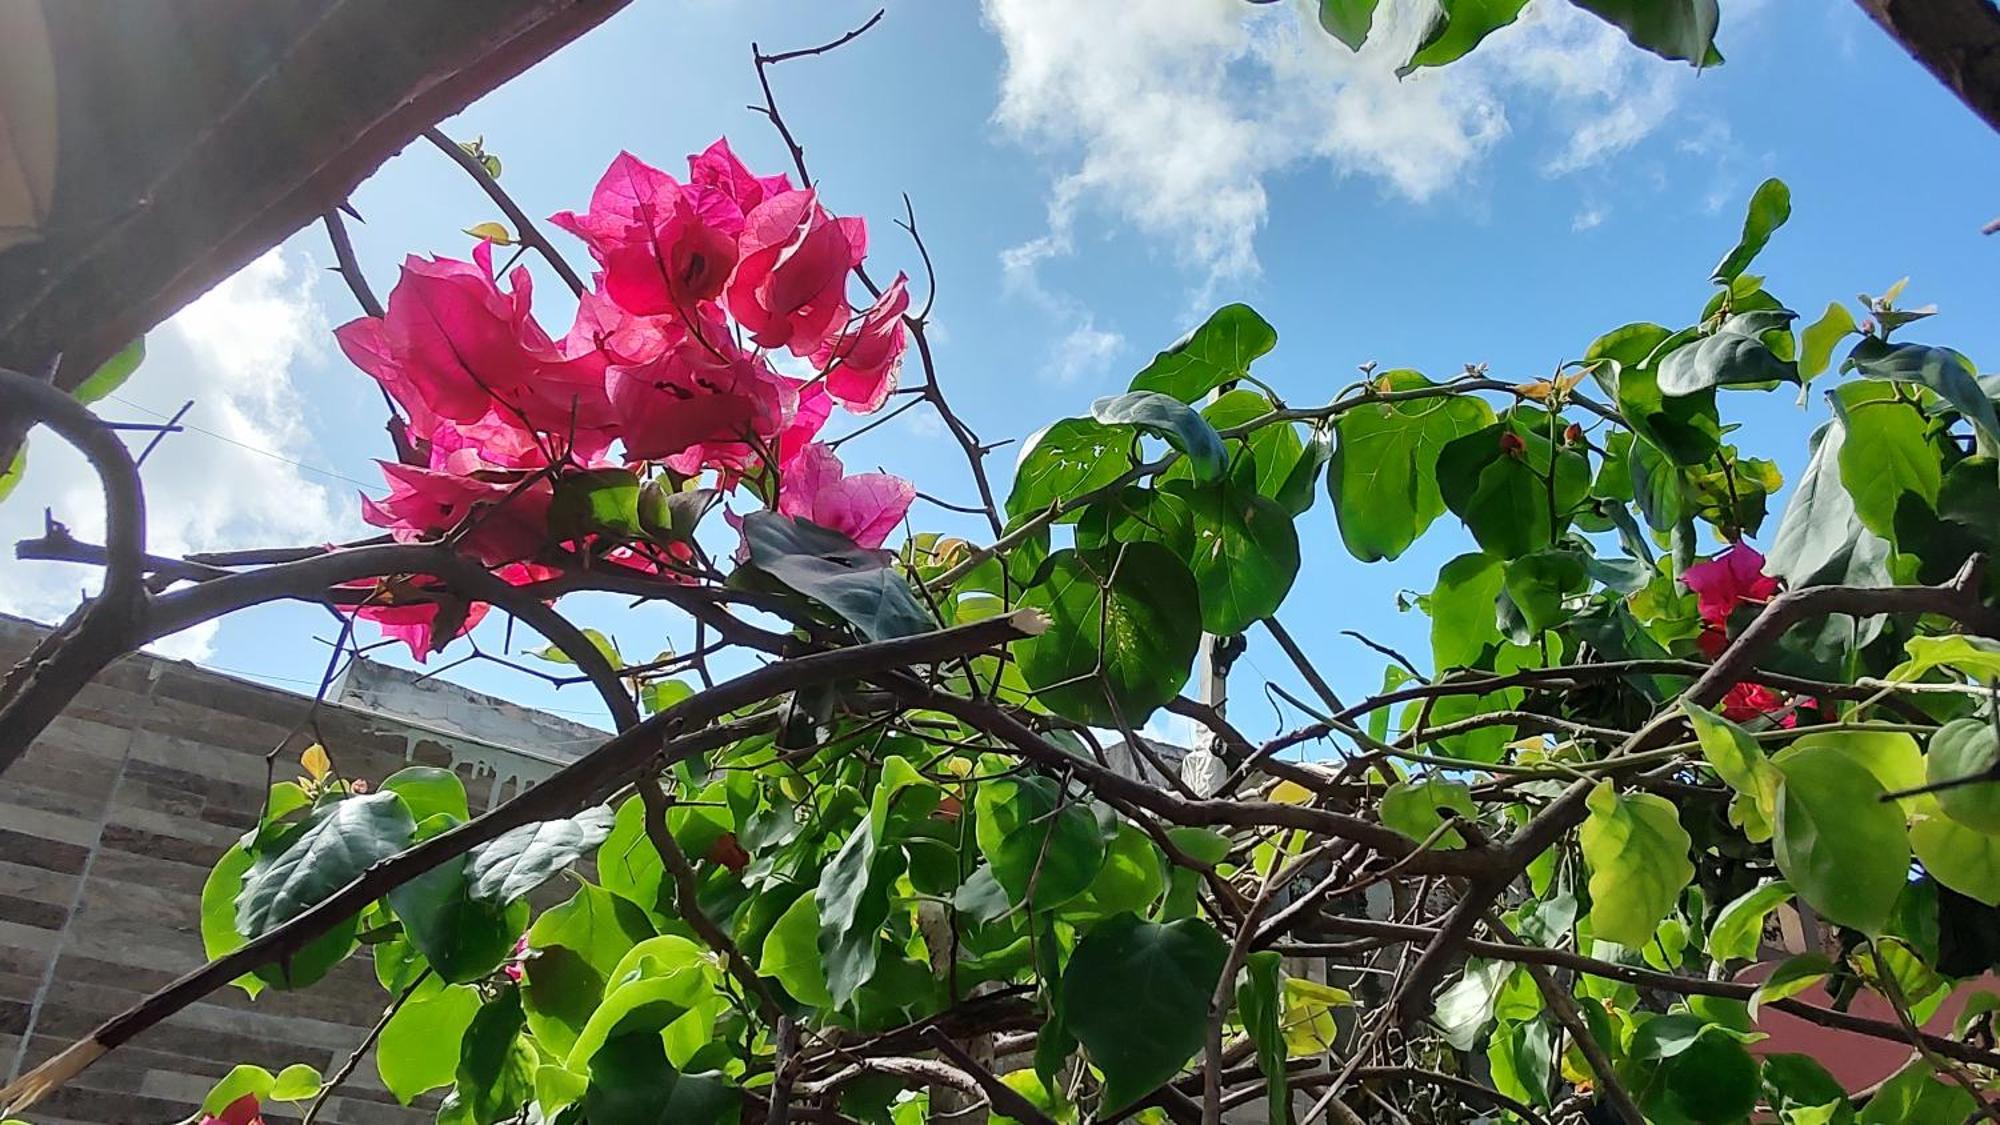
{"x":525,"y":229}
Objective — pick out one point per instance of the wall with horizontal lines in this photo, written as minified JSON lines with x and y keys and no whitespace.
{"x":108,"y":828}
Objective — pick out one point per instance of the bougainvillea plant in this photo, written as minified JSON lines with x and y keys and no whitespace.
{"x":1678,"y":778}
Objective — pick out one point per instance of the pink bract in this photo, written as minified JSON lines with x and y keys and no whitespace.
{"x":865,"y":507}
{"x":1731,"y":578}
{"x":243,"y":1111}
{"x":790,"y":285}
{"x":661,"y":254}
{"x":862,"y":362}
{"x":512,"y":521}
{"x":414,"y":623}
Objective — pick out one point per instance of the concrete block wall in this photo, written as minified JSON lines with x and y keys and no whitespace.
{"x":108,"y":827}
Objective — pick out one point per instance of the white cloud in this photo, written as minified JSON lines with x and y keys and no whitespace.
{"x":1172,"y":114}
{"x":1086,"y":350}
{"x":1590,"y":218}
{"x":235,"y":352}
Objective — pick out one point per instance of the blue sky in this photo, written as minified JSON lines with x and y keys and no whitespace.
{"x":1091,"y":176}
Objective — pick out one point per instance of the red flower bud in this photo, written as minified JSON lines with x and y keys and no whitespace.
{"x":1511,"y":444}
{"x":727,"y":852}
{"x":948,"y":808}
{"x":1574,"y":434}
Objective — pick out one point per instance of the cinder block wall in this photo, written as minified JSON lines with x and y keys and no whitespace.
{"x":107,"y":830}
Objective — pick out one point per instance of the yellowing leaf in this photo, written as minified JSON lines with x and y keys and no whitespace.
{"x":1308,"y":1023}
{"x":1637,"y":853}
{"x":1291,"y":793}
{"x":315,"y":762}
{"x":492,"y":232}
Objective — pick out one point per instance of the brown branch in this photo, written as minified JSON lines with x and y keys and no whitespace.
{"x":1404,"y":933}
{"x":524,"y":227}
{"x":784,"y":1071}
{"x":672,"y":735}
{"x":37,"y":689}
{"x":1563,"y":1006}
{"x":334,"y":1080}
{"x":1958,"y":41}
{"x":1004,"y":1099}
{"x":687,"y":899}
{"x":349,"y":267}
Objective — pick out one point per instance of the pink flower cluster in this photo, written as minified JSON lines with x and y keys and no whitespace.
{"x":1735,"y":576}
{"x":666,"y":369}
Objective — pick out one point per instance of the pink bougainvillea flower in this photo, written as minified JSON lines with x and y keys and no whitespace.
{"x":724,"y":190}
{"x":417,"y":611}
{"x":1749,"y":701}
{"x":512,"y":967}
{"x":815,"y":406}
{"x":701,"y":403}
{"x":660,"y":253}
{"x":453,"y":344}
{"x":862,"y":362}
{"x":865,"y":507}
{"x":1731,"y":578}
{"x":242,"y":1111}
{"x":620,"y":336}
{"x":790,"y":287}
{"x":511,"y":522}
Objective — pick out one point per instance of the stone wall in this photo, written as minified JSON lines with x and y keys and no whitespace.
{"x":108,"y":828}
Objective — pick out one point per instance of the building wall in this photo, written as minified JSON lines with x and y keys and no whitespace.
{"x":108,"y":827}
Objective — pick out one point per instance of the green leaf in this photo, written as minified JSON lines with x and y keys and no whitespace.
{"x":1521,"y":1055}
{"x":1120,"y":642}
{"x":1715,"y":1079}
{"x":1218,"y":352}
{"x":576,"y":947}
{"x":1064,"y":460}
{"x":1271,"y":459}
{"x":1915,"y":1095}
{"x":1738,"y":932}
{"x":596,"y":502}
{"x":605,"y":646}
{"x":428,"y":791}
{"x":10,"y":477}
{"x":1259,"y":999}
{"x":464,"y":940}
{"x":1976,"y":657}
{"x":341,"y":842}
{"x":1500,"y":488}
{"x":1943,"y":370}
{"x":1770,"y":206}
{"x":1737,"y":353}
{"x":1139,"y":514}
{"x":496,"y":1067}
{"x":1456,"y":27}
{"x":1466,"y":1008}
{"x":218,"y":912}
{"x":1132,"y":877}
{"x":1136,"y":995}
{"x":1383,"y":475}
{"x":1171,"y":419}
{"x":519,"y":860}
{"x":791,"y":954}
{"x":1416,"y":809}
{"x":1683,"y":30}
{"x":1791,"y":978}
{"x":627,"y":863}
{"x":1348,"y":21}
{"x":1637,"y":852}
{"x":853,"y":899}
{"x":657,"y":983}
{"x":1820,"y":539}
{"x":1817,"y":342}
{"x":1741,"y":764}
{"x":1960,"y":749}
{"x":858,"y":585}
{"x":1244,"y":557}
{"x":1884,"y":454}
{"x":1461,"y":608}
{"x":631,"y":1083}
{"x":1043,"y":850}
{"x":112,"y":373}
{"x":1540,"y":584}
{"x":1837,"y":841}
{"x":1964,"y":859}
{"x":296,"y":1083}
{"x":242,"y":1079}
{"x":1686,"y":428}
{"x":419,"y":1048}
